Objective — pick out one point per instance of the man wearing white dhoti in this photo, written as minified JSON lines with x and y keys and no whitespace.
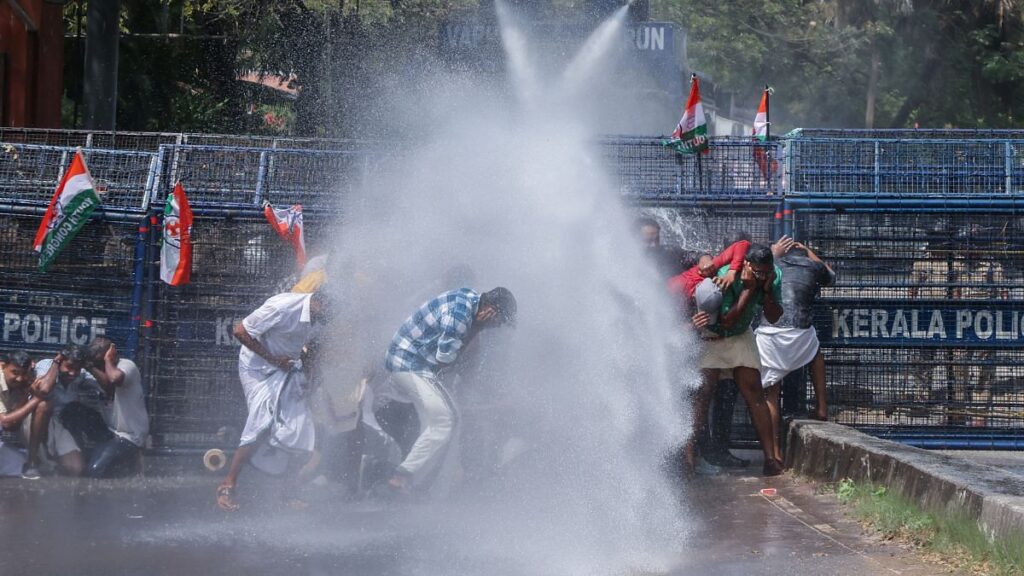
{"x":792,"y":343}
{"x":279,"y":430}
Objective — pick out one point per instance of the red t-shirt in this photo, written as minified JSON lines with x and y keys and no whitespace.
{"x":686,"y":283}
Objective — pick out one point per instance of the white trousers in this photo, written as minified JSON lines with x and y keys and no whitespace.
{"x":436,"y":413}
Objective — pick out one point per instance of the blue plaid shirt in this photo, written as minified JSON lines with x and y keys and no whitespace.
{"x":433,"y":335}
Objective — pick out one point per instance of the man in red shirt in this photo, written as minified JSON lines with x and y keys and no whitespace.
{"x":685,"y":287}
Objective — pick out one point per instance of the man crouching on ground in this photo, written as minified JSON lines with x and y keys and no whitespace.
{"x":270,"y":368}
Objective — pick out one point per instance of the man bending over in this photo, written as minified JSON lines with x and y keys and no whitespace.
{"x":428,"y":341}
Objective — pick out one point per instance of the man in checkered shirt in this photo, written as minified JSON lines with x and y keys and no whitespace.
{"x":427,"y":342}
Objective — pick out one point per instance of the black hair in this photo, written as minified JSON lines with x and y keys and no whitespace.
{"x":760,"y":254}
{"x":502,"y":300}
{"x":735,"y":236}
{"x":646,"y":221}
{"x":19,"y":358}
{"x":76,"y":354}
{"x":99,"y":346}
{"x":689,"y":258}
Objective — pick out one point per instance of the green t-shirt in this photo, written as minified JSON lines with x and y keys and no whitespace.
{"x":732,"y":295}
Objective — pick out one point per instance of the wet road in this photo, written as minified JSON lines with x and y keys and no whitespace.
{"x":159,"y":526}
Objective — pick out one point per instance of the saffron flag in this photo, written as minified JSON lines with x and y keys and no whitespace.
{"x":765,"y":163}
{"x":73,"y":202}
{"x":691,"y":134}
{"x":176,"y":251}
{"x":287,"y":223}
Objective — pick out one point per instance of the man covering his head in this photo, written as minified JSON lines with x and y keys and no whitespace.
{"x":428,"y":341}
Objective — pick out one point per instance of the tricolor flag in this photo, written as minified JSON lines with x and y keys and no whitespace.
{"x":176,"y":252}
{"x":761,"y":118}
{"x":691,"y":134}
{"x":72,"y":204}
{"x":762,"y":158}
{"x":288,"y":224}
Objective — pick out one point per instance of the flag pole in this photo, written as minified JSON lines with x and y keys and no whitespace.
{"x":768,"y":131}
{"x":700,"y":165}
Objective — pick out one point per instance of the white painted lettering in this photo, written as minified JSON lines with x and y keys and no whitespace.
{"x":47,"y":337}
{"x":963,"y":320}
{"x":916,"y":332}
{"x":879,"y":320}
{"x":983,"y":325}
{"x":839,"y":324}
{"x":75,"y":334}
{"x":936,"y":326}
{"x":899,"y":326}
{"x":1002,"y":334}
{"x":12,"y":322}
{"x":31,"y":336}
{"x":99,"y":328}
{"x":861,"y":319}
{"x":657,"y":38}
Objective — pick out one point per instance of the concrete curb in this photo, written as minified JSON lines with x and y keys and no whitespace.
{"x":940,"y":483}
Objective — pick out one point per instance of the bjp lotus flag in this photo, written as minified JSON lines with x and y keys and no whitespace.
{"x":73,"y":202}
{"x":176,"y":251}
{"x":287,"y":223}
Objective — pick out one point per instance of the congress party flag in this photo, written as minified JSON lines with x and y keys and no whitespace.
{"x":176,"y":251}
{"x":73,"y":202}
{"x":691,"y":134}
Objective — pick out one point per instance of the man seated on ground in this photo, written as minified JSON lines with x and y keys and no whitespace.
{"x":699,"y":289}
{"x":16,"y":407}
{"x":58,"y":385}
{"x":732,"y":346}
{"x":427,"y":342}
{"x":125,"y":416}
{"x":279,"y":432}
{"x":792,"y":342}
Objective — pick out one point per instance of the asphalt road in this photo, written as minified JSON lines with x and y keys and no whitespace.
{"x":169,"y":525}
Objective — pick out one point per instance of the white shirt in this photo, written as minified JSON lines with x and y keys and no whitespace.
{"x":127,"y":416}
{"x":62,"y":394}
{"x":282,"y":325}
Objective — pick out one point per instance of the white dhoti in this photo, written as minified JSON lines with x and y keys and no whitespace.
{"x":784,"y":350}
{"x":278,"y":416}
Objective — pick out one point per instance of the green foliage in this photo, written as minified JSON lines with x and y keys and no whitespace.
{"x":956,"y":538}
{"x":940,"y":62}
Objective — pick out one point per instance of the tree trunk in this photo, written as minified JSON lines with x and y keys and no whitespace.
{"x":876,"y":64}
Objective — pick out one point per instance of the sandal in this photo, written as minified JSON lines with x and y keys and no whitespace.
{"x":225,"y":498}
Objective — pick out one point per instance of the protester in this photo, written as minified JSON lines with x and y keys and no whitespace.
{"x":731,"y":345}
{"x":429,"y":341}
{"x":791,"y":342}
{"x":666,"y":260}
{"x":59,"y":384}
{"x":126,"y":416}
{"x":698,"y":288}
{"x":279,"y":432}
{"x":16,"y":407}
{"x":714,"y":442}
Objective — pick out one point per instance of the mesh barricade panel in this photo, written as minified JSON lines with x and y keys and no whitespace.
{"x":86,"y":292}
